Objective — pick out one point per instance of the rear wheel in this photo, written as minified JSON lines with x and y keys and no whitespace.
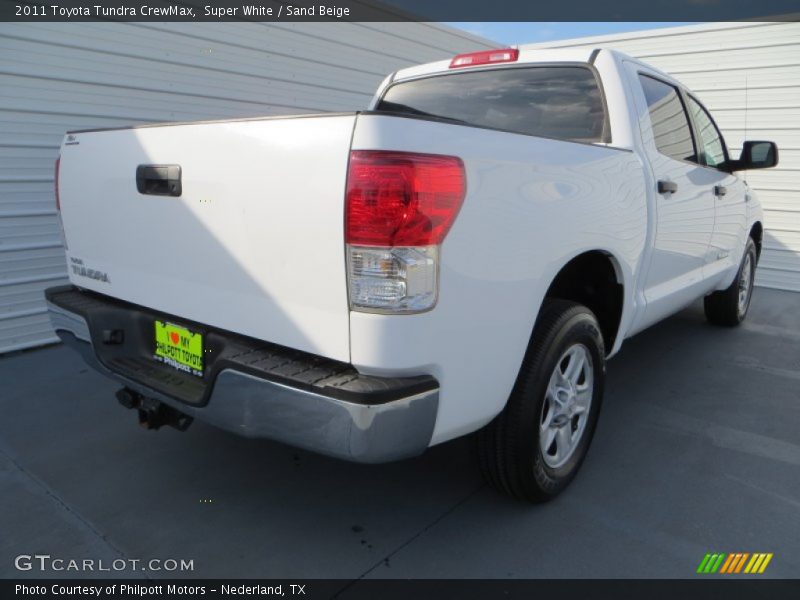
{"x":729,"y":306}
{"x":534,"y":448}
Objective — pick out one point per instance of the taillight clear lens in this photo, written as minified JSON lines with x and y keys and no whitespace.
{"x":399,"y":208}
{"x":394,"y":280}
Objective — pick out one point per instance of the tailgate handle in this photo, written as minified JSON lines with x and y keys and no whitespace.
{"x":159,"y":180}
{"x":667,"y":187}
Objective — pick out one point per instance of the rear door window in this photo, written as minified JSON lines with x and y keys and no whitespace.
{"x":668,"y":118}
{"x":562,"y":102}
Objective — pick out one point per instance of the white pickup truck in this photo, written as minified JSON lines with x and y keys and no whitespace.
{"x":463,"y":256}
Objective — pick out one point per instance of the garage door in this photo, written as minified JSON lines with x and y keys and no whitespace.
{"x":60,"y":76}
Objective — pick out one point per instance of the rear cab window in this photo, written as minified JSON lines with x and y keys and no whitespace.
{"x":561,"y":102}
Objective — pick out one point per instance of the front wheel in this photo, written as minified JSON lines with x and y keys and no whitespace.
{"x":534,"y":448}
{"x":729,"y":306}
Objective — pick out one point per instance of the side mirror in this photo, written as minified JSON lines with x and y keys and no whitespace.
{"x":757,"y":155}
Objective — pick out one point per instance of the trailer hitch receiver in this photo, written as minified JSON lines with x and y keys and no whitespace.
{"x":153,"y":414}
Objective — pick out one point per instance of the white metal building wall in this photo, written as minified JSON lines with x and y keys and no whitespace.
{"x":56,"y":77}
{"x":733,"y":67}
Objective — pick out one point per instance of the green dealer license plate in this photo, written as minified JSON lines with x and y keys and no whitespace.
{"x":179,"y":347}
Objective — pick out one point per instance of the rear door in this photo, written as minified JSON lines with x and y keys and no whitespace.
{"x":683,"y":212}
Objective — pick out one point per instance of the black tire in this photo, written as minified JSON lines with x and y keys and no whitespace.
{"x":724,"y":307}
{"x":509,"y":450}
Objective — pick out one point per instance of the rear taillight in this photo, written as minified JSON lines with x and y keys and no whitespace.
{"x":402,"y":199}
{"x":484,"y":57}
{"x":55,"y":183}
{"x":56,"y":186}
{"x":399,"y":208}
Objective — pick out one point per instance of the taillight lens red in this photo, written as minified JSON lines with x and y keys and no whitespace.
{"x":55,"y":184}
{"x":402,"y":198}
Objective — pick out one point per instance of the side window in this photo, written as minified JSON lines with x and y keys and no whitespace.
{"x":673,"y":136}
{"x":712,"y":146}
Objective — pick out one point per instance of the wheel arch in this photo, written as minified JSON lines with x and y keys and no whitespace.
{"x":757,"y":234}
{"x":596,"y":279}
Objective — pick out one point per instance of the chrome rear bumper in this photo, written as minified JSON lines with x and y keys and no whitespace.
{"x":256,"y":405}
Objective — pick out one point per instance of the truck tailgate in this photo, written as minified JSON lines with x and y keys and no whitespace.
{"x":253,"y":244}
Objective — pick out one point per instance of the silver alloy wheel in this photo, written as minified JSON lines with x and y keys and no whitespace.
{"x":566,"y":405}
{"x":745,"y":284}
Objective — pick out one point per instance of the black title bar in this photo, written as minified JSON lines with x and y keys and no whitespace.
{"x":396,"y":10}
{"x":390,"y":589}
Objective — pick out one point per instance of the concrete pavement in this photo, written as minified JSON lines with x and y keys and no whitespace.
{"x":697,"y":450}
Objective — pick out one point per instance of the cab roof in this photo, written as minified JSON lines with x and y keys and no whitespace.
{"x":526,"y":55}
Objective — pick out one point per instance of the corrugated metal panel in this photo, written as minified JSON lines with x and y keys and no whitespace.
{"x":748,"y":74}
{"x":60,"y":76}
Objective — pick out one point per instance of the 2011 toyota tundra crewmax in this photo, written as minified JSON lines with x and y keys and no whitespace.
{"x":463,"y":256}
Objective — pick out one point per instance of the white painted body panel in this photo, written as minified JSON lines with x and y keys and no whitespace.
{"x":532,"y":205}
{"x":266,"y":253}
{"x":253,"y":245}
